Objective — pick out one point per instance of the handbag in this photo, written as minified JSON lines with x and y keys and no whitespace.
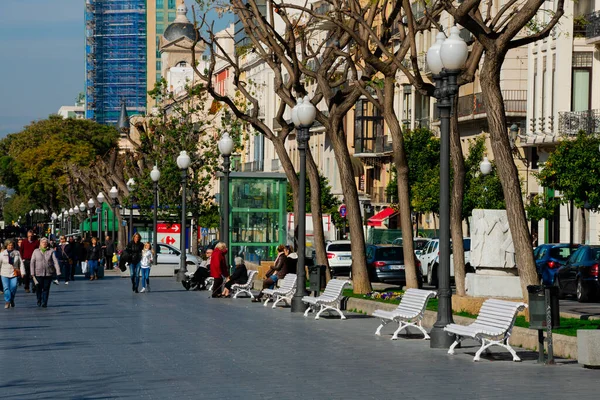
{"x":51,"y":268}
{"x":17,"y":272}
{"x":84,"y":267}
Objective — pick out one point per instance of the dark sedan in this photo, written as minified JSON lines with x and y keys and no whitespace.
{"x":385,"y":263}
{"x":579,"y":276}
{"x":550,"y":257}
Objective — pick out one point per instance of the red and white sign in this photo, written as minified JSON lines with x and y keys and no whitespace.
{"x":168,"y":234}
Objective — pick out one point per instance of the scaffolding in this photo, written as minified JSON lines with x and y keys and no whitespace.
{"x":115,"y":33}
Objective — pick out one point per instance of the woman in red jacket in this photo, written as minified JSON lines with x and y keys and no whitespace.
{"x":218,"y":268}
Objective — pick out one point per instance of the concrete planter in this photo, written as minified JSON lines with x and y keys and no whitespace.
{"x":588,"y":348}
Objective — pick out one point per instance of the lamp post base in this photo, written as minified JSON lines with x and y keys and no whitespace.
{"x":298,"y":305}
{"x":181,"y":274}
{"x":440,"y":339}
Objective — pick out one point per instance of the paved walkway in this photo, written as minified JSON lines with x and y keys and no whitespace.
{"x":98,"y":340}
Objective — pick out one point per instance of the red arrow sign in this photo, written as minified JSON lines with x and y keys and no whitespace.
{"x":168,"y":228}
{"x":175,"y":228}
{"x":168,"y":240}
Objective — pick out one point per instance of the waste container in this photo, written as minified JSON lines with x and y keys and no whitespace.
{"x":317,"y":277}
{"x":537,"y":306}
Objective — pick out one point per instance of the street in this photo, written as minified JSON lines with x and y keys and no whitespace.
{"x":98,"y":340}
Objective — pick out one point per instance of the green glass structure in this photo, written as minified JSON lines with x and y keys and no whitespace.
{"x":257,"y":218}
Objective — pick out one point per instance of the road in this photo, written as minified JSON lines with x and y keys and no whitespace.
{"x":98,"y":340}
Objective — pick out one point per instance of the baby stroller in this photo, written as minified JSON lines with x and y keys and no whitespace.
{"x":197,"y":280}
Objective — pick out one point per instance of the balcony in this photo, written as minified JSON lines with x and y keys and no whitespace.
{"x":372,"y":146}
{"x":253,"y":166}
{"x":592,"y":28}
{"x":275,"y":165}
{"x":378,"y":196}
{"x":570,"y":123}
{"x":472,"y":106}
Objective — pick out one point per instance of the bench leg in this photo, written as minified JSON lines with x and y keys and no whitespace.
{"x":456,"y":343}
{"x":384,"y":322}
{"x":486,"y":344}
{"x":404,"y":325}
{"x":277,"y":301}
{"x":308,"y":309}
{"x":267,"y":300}
{"x":332,"y":308}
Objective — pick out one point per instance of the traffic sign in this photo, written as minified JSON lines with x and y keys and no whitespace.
{"x":168,"y":234}
{"x":342,"y":210}
{"x":204,"y":231}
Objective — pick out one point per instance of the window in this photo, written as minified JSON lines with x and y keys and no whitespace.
{"x":171,"y":16}
{"x":535,"y":89}
{"x":172,"y":4}
{"x":368,"y":128}
{"x":553,"y":81}
{"x":581,"y":81}
{"x":160,"y":4}
{"x":543,"y":88}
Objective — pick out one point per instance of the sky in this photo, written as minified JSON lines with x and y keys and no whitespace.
{"x":42,"y":59}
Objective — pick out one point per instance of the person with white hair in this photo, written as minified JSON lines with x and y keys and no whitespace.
{"x":44,"y":266}
{"x":239,"y":276}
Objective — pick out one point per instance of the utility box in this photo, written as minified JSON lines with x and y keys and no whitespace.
{"x":537,"y":306}
{"x":317,"y":277}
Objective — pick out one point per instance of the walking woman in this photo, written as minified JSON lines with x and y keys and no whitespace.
{"x":145,"y":265}
{"x":134,"y":249}
{"x":218,"y":268}
{"x":11,"y":267}
{"x":44,"y":266}
{"x":93,"y":257}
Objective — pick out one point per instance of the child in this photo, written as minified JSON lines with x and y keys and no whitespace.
{"x":146,"y":264}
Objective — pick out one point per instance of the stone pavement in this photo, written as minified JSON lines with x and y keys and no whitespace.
{"x":98,"y":340}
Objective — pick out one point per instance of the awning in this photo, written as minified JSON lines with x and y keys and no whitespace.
{"x":382,"y":216}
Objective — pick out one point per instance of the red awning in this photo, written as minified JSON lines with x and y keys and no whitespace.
{"x":383,"y":215}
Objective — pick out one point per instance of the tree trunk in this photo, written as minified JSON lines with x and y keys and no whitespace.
{"x":402,"y":175}
{"x":458,"y":189}
{"x":293,"y":181}
{"x":583,"y":226}
{"x":507,"y":171}
{"x":316,"y":212}
{"x":360,"y":277}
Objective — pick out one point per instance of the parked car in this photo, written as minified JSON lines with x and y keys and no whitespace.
{"x":430,"y":255}
{"x":579,"y":275}
{"x":418,"y":244}
{"x":339,"y":257}
{"x":549,"y":258}
{"x":168,"y":254}
{"x":385,"y":263}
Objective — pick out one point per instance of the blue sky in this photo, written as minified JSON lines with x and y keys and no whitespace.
{"x":42,"y":68}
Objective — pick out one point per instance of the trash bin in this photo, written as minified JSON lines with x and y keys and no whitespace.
{"x":537,"y":306}
{"x":317,"y":277}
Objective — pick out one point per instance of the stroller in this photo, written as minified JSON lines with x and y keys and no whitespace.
{"x":198,"y":280}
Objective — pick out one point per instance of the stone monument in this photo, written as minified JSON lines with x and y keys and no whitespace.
{"x":493,"y":257}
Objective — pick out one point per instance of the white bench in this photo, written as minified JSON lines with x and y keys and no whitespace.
{"x":283,"y":293}
{"x":493,"y":326}
{"x":329,"y":300}
{"x":410,"y":312}
{"x":238,"y":288}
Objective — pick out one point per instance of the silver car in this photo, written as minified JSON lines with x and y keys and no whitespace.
{"x":168,"y":254}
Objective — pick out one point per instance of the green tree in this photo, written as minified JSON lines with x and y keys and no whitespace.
{"x":574,"y":169}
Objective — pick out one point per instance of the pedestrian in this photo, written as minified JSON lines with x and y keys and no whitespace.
{"x":109,"y":251}
{"x":239,"y":276}
{"x":11,"y":267}
{"x":134,"y":251}
{"x":278,"y":271}
{"x":44,"y":266}
{"x":64,"y":255}
{"x":84,"y":245}
{"x":74,"y":243}
{"x":145,"y":265}
{"x":218,"y":268}
{"x":291,"y":259}
{"x":26,"y":249}
{"x":94,"y":255}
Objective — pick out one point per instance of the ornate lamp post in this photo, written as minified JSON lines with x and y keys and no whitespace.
{"x":53,"y":218}
{"x":131,"y":188}
{"x":76,"y":214}
{"x":303,"y":116}
{"x":155,"y":176}
{"x":91,"y":203}
{"x":445,"y":58}
{"x":82,"y":208}
{"x":226,"y":147}
{"x":100,"y":199}
{"x":113,"y":193}
{"x":183,"y":162}
{"x":31,"y":218}
{"x":71,"y":212}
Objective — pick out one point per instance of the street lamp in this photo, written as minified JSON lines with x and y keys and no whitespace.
{"x":113,"y":193}
{"x":76,"y":213}
{"x":71,"y":212}
{"x":131,"y":188}
{"x":31,"y":218}
{"x":183,"y":162}
{"x":226,"y":147}
{"x":91,"y":203}
{"x":100,"y":199}
{"x":53,"y":218}
{"x":82,"y":208}
{"x":155,"y":176}
{"x":303,"y":116}
{"x":445,"y":58}
{"x":485,"y":166}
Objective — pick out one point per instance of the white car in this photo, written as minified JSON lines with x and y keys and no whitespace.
{"x":429,"y":259}
{"x":339,"y":257}
{"x":168,"y":254}
{"x":419,"y":244}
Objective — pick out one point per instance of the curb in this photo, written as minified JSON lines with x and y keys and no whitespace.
{"x":563,"y":346}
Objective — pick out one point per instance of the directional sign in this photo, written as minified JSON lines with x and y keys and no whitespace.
{"x":342,"y":210}
{"x":168,"y":228}
{"x":168,"y":234}
{"x":168,"y":240}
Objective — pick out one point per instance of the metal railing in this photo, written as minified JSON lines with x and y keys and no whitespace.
{"x":515,"y":101}
{"x":592,"y":28}
{"x":375,"y":145}
{"x":253,"y":166}
{"x":570,"y":123}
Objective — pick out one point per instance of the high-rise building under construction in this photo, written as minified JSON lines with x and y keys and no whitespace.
{"x":122,"y":59}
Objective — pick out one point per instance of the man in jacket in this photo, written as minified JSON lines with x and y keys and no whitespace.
{"x":64,"y":255}
{"x":27,"y":247}
{"x":109,"y":251}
